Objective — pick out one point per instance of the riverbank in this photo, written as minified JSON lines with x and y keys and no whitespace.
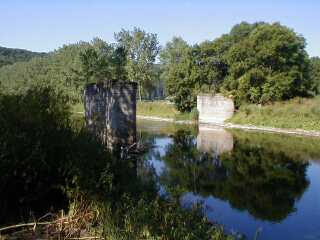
{"x":238,"y":126}
{"x":298,"y":116}
{"x":300,"y":132}
{"x":164,"y":110}
{"x":155,"y":109}
{"x":298,"y":113}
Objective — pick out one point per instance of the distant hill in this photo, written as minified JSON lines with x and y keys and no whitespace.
{"x":12,"y":55}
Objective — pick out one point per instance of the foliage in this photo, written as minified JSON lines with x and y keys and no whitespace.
{"x":315,"y":73}
{"x":298,"y":113}
{"x":59,"y":69}
{"x":68,"y":69}
{"x":102,"y":61}
{"x":46,"y":160}
{"x":142,"y":49}
{"x":176,"y":59}
{"x":270,"y":64}
{"x":9,"y":56}
{"x":41,"y":152}
{"x":160,"y":219}
{"x":255,"y":63}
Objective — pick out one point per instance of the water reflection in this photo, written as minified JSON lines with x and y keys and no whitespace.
{"x":251,"y":177}
{"x":214,"y":140}
{"x":245,"y":180}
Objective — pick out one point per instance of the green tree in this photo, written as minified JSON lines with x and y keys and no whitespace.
{"x":269,"y":64}
{"x":102,"y":61}
{"x":177,"y":63}
{"x":315,"y":73}
{"x":11,"y":55}
{"x":59,"y":68}
{"x":189,"y":70}
{"x":68,"y":69}
{"x":255,"y":63}
{"x":142,"y":49}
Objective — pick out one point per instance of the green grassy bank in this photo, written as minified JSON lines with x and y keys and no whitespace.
{"x":298,"y":113}
{"x":161,"y":109}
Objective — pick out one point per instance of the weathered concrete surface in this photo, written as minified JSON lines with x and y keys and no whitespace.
{"x":110,"y":112}
{"x":95,"y":109}
{"x":214,"y":140}
{"x":214,"y":109}
{"x":121,"y":114}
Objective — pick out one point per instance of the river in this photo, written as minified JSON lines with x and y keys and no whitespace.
{"x":252,"y":183}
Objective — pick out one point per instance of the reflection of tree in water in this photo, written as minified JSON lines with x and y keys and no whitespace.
{"x":186,"y":164}
{"x":251,"y":178}
{"x":149,"y":141}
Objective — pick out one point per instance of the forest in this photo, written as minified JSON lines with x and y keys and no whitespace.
{"x":10,"y":55}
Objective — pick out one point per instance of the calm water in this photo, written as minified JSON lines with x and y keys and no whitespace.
{"x":246,"y":181}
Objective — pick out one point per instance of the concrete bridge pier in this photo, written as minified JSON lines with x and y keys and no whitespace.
{"x":110,"y":112}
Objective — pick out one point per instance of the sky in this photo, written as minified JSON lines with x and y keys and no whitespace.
{"x":45,"y":25}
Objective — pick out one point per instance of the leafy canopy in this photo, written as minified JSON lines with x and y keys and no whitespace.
{"x":142,"y":49}
{"x":255,"y":63}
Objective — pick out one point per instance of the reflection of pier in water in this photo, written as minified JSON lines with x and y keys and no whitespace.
{"x":215,"y":140}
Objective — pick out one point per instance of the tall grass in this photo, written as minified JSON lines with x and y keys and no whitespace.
{"x":298,"y":113}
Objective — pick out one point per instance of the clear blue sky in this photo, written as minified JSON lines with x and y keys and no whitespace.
{"x":44,"y":25}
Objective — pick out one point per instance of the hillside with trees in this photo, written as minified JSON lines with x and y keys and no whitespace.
{"x":69,"y":68}
{"x":12,"y":55}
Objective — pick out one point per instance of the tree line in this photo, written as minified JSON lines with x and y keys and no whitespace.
{"x":11,"y":55}
{"x":254,"y":63}
{"x":67,"y":69}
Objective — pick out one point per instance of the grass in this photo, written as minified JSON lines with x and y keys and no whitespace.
{"x":163,"y":109}
{"x":298,"y":113}
{"x":156,"y":109}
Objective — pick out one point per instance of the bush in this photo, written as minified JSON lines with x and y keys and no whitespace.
{"x":42,"y":152}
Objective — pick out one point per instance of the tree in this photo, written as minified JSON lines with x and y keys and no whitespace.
{"x":142,"y":49}
{"x":176,"y":60}
{"x":270,"y":64}
{"x":102,"y":61}
{"x":59,"y":68}
{"x":256,"y":63}
{"x":210,"y":66}
{"x":315,"y":73}
{"x":189,"y":70}
{"x":68,"y":69}
{"x":11,"y":55}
